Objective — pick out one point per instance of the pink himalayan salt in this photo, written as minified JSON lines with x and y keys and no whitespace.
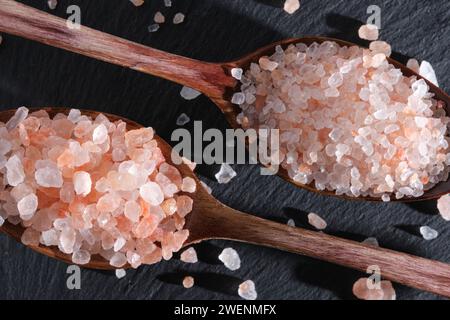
{"x":362,"y":291}
{"x":290,"y":6}
{"x":188,"y":185}
{"x":316,"y":221}
{"x":380,"y":47}
{"x":159,"y":18}
{"x":443,"y":205}
{"x":413,"y":64}
{"x":137,"y":3}
{"x":189,"y":255}
{"x":247,"y":290}
{"x":334,"y":137}
{"x":368,"y":32}
{"x":48,"y":166}
{"x":188,"y":282}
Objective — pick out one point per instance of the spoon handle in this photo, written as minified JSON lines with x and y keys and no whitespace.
{"x":413,"y":271}
{"x":24,"y":21}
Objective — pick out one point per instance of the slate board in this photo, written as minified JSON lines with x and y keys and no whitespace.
{"x":32,"y":74}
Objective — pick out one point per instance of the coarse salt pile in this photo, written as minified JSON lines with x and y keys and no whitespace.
{"x":89,"y":186}
{"x":348,"y":120}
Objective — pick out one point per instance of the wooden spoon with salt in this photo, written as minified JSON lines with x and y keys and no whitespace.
{"x":210,"y":219}
{"x":212,"y":79}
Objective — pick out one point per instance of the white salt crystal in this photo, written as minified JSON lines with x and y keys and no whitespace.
{"x":291,"y":223}
{"x":120,"y":273}
{"x":82,"y":183}
{"x":428,"y":233}
{"x":52,"y":4}
{"x":50,"y":237}
{"x":238,"y":98}
{"x":427,"y":71}
{"x":132,"y":211}
{"x":17,"y":118}
{"x":413,"y":64}
{"x":189,"y":93}
{"x":49,"y":177}
{"x":290,"y":6}
{"x":153,"y":27}
{"x":151,"y":192}
{"x":335,"y":80}
{"x":247,"y":290}
{"x":182,"y":119}
{"x":316,"y":221}
{"x":225,"y":174}
{"x":118,"y":260}
{"x":168,"y":3}
{"x":74,"y":115}
{"x":368,"y":32}
{"x":178,"y":18}
{"x":189,"y":255}
{"x":236,"y":73}
{"x":385,"y":198}
{"x":81,"y":257}
{"x":14,"y":171}
{"x":120,"y":242}
{"x":159,"y":18}
{"x":100,"y":134}
{"x":230,"y":259}
{"x":27,"y":206}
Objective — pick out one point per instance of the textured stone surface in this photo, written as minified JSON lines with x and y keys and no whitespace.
{"x":37,"y":75}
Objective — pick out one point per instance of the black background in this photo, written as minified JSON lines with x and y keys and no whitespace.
{"x":32,"y":74}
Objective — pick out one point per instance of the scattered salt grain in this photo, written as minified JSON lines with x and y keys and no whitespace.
{"x":247,"y":290}
{"x":371,"y":241}
{"x":189,"y":255}
{"x":291,"y":223}
{"x":225,"y":174}
{"x":189,"y":93}
{"x":290,"y":6}
{"x":428,"y":233}
{"x":182,"y":119}
{"x":316,"y":221}
{"x":427,"y":71}
{"x":443,"y":205}
{"x":178,"y":18}
{"x":188,"y":282}
{"x":236,"y":73}
{"x":365,"y":290}
{"x":153,"y":27}
{"x":159,"y":18}
{"x":137,"y":3}
{"x":385,"y":198}
{"x":168,"y":3}
{"x":52,"y":4}
{"x":368,"y":32}
{"x":238,"y":98}
{"x":230,"y":259}
{"x":120,"y":273}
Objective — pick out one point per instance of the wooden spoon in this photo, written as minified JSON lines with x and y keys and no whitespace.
{"x":210,"y":219}
{"x":212,"y":79}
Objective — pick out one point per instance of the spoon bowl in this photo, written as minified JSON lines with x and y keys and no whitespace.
{"x":212,"y":79}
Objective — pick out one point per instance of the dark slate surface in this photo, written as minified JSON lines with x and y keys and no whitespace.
{"x":36,"y":75}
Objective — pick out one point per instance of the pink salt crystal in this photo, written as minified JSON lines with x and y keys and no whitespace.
{"x":81,"y":257}
{"x":380,"y":47}
{"x":132,"y":210}
{"x":267,"y":64}
{"x":188,"y":185}
{"x":443,"y":205}
{"x":108,"y":203}
{"x":188,"y":282}
{"x":27,"y":206}
{"x":413,"y":64}
{"x":151,"y":192}
{"x":184,"y":205}
{"x":49,"y":177}
{"x":378,"y":59}
{"x":82,"y":183}
{"x":189,"y":255}
{"x":50,"y":237}
{"x":120,"y":242}
{"x":52,"y":4}
{"x":118,"y":260}
{"x":247,"y":290}
{"x":14,"y":171}
{"x":316,"y":221}
{"x":30,"y":237}
{"x":19,"y":116}
{"x":137,"y":3}
{"x":362,"y":290}
{"x":67,"y":240}
{"x":368,"y":32}
{"x":159,"y":17}
{"x":290,"y":6}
